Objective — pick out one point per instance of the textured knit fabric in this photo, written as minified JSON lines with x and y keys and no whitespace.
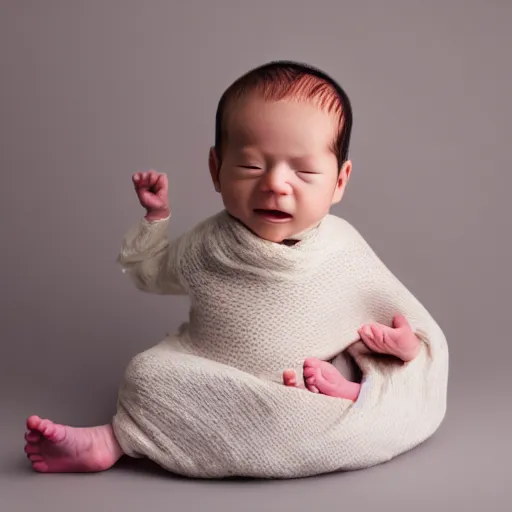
{"x":209,"y":400}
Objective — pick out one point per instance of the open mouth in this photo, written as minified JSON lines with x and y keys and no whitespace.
{"x":275,"y":215}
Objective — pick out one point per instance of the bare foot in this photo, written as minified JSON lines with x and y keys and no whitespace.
{"x":53,"y":448}
{"x":322,"y":377}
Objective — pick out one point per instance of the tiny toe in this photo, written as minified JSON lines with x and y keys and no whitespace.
{"x":313,"y":389}
{"x":32,"y":449}
{"x":310,"y":381}
{"x":36,"y":458}
{"x":33,"y":422}
{"x":47,"y":428}
{"x":41,"y":466}
{"x":309,"y":371}
{"x":32,"y":437}
{"x":289,"y":378}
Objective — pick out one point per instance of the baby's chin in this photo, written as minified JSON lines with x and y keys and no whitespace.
{"x":276,"y":232}
{"x":278,"y":229}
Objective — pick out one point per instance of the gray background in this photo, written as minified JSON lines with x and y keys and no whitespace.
{"x":92,"y":91}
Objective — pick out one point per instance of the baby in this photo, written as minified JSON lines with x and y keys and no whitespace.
{"x":272,"y":281}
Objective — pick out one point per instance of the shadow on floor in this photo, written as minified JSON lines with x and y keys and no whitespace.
{"x":17,"y":465}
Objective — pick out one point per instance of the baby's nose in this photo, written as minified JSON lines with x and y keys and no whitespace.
{"x":276,"y":181}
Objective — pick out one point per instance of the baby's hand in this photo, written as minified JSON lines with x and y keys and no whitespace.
{"x":399,"y":340}
{"x":152,"y":190}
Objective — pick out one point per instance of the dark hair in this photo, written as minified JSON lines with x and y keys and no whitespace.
{"x":280,"y":79}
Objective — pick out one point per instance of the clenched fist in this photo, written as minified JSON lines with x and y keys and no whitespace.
{"x":152,"y":190}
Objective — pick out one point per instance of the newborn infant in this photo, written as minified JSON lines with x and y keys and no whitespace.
{"x":282,"y":294}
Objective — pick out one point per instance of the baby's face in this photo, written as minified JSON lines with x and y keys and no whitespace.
{"x":278,"y":174}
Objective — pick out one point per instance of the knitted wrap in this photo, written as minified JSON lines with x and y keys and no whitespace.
{"x":209,"y":401}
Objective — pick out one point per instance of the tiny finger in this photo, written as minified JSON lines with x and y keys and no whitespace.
{"x":366,"y":331}
{"x":364,"y":337}
{"x":389,"y":338}
{"x":369,"y":342}
{"x":400,"y":321}
{"x":162,"y":180}
{"x":377,"y":332}
{"x":153,"y":177}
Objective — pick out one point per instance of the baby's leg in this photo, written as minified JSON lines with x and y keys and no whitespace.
{"x":322,"y":377}
{"x":53,"y":448}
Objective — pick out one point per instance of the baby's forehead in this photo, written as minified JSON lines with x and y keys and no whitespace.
{"x":243,"y":111}
{"x":251,"y":115}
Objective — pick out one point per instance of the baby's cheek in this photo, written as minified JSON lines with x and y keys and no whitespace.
{"x":319,"y":204}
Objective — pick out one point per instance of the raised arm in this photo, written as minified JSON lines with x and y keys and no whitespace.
{"x":152,"y":261}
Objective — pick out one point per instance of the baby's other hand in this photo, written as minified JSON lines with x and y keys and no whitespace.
{"x":398,"y":340}
{"x":152,"y":190}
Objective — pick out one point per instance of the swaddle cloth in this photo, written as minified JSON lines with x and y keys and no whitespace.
{"x":209,"y":401}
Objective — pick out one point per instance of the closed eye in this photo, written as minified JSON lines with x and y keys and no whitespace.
{"x":250,"y":167}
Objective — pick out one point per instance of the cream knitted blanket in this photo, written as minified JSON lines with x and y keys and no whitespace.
{"x":209,"y":401}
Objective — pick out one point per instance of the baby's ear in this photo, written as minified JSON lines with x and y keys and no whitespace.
{"x":341,"y":184}
{"x":213,"y":164}
{"x":346,"y":170}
